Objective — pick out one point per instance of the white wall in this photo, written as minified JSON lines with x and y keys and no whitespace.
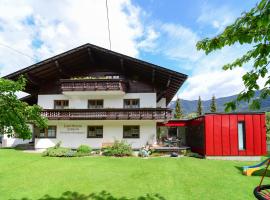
{"x":161,"y":103}
{"x":12,"y":141}
{"x":112,"y":130}
{"x":147,"y":100}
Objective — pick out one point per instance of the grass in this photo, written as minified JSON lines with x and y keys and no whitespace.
{"x":25,"y":176}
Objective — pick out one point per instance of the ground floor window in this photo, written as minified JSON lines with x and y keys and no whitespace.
{"x":49,"y":132}
{"x":131,"y":131}
{"x":95,"y":132}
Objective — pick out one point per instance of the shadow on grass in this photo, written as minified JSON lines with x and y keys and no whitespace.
{"x":240,"y":169}
{"x":94,"y":196}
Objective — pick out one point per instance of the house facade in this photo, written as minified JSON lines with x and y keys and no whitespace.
{"x":94,"y":96}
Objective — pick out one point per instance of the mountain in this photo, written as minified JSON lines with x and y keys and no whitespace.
{"x":190,"y":106}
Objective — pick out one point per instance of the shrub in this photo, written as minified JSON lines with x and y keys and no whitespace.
{"x":56,"y":152}
{"x":84,"y":149}
{"x":70,"y":153}
{"x":118,"y":149}
{"x":58,"y":144}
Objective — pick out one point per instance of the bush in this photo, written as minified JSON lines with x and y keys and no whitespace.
{"x":84,"y":149}
{"x":56,"y":152}
{"x":118,"y":149}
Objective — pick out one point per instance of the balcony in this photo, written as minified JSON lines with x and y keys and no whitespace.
{"x":108,"y":114}
{"x":93,"y":86}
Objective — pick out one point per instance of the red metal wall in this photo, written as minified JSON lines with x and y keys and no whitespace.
{"x":221,"y":134}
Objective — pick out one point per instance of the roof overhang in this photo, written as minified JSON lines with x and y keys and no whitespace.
{"x":62,"y":65}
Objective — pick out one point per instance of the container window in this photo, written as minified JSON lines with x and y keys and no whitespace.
{"x":241,"y":136}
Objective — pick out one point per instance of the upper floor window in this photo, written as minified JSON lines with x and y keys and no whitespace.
{"x":92,"y":104}
{"x":49,"y":132}
{"x":241,"y":135}
{"x":131,"y":103}
{"x":61,"y":104}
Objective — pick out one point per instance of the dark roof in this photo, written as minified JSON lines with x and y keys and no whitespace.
{"x":75,"y":59}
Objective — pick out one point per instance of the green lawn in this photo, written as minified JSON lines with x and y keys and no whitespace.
{"x":30,"y":176}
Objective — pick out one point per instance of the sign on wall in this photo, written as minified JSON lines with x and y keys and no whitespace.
{"x":72,"y":129}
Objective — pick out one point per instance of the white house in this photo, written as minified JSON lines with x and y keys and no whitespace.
{"x":94,"y":96}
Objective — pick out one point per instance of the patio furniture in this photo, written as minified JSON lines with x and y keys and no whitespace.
{"x":174,"y":142}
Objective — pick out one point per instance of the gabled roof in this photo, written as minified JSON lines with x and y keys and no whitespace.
{"x":78,"y":59}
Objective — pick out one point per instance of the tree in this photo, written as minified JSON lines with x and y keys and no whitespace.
{"x":15,"y":114}
{"x":213,"y":106}
{"x":252,"y":27}
{"x":199,"y":107}
{"x":178,"y":113}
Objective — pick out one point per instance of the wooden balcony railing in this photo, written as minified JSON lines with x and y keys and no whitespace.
{"x":93,"y":85}
{"x":108,"y":114}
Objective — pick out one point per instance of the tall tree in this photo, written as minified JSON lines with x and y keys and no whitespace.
{"x":213,"y":106}
{"x":199,"y":107}
{"x":252,"y":27}
{"x":178,"y":113}
{"x":15,"y":114}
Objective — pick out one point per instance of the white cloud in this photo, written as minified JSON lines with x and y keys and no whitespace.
{"x":217,"y":17}
{"x":218,"y":83}
{"x":209,"y":78}
{"x":57,"y":26}
{"x":180,"y":42}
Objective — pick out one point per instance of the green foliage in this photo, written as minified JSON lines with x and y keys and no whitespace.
{"x":118,"y":149}
{"x":213,"y":106}
{"x":192,"y":115}
{"x":84,"y":149}
{"x":267,"y":115}
{"x":57,"y":152}
{"x":178,"y":110}
{"x":15,"y":114}
{"x":199,"y":107}
{"x":252,"y":27}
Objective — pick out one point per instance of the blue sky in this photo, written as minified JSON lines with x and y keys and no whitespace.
{"x":158,"y":31}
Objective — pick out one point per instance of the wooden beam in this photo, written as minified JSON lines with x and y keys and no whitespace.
{"x":32,"y":79}
{"x":90,"y":54}
{"x":159,"y":96}
{"x":58,"y":66}
{"x":122,"y":64}
{"x":168,"y":82}
{"x":60,"y":69}
{"x":153,"y":76}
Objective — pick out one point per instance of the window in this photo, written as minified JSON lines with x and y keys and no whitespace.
{"x":92,"y":104}
{"x":131,"y":103}
{"x":60,"y":104}
{"x":241,"y":136}
{"x":131,"y":132}
{"x":112,"y":76}
{"x":95,"y":132}
{"x":50,"y":132}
